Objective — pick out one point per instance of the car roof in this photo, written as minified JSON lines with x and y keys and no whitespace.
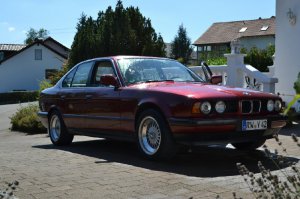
{"x":116,"y":57}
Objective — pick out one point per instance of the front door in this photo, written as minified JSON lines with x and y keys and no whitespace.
{"x":102,"y":101}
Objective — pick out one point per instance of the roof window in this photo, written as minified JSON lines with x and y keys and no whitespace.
{"x":264,"y":28}
{"x":243,"y":29}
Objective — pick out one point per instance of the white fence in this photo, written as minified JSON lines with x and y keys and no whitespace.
{"x":237,"y":74}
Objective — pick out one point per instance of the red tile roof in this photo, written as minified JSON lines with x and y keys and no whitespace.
{"x":225,"y":32}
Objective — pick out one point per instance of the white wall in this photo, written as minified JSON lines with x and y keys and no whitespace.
{"x":260,"y":42}
{"x":287,"y":44}
{"x":23,"y":72}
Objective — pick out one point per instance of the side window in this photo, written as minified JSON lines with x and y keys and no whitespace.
{"x":82,"y":75}
{"x":102,"y":68}
{"x":68,"y":79}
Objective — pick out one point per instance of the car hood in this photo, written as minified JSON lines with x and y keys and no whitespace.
{"x":201,"y":90}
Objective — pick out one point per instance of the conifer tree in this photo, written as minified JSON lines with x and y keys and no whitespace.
{"x":181,"y":45}
{"x":123,"y":31}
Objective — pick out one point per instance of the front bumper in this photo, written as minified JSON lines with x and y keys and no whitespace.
{"x":221,"y":131}
{"x":43,"y":117}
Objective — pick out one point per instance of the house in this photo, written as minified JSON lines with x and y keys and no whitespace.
{"x":286,"y":64}
{"x":23,"y":67}
{"x":216,"y":40}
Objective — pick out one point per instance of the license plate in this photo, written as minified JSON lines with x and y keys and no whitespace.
{"x":249,"y":125}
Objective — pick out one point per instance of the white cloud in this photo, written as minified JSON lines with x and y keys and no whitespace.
{"x":24,"y":31}
{"x":11,"y":29}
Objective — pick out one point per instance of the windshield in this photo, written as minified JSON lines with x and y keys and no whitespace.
{"x":137,"y":70}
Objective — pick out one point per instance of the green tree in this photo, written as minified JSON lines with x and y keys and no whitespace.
{"x":123,"y":31}
{"x":33,"y":34}
{"x":181,"y":45}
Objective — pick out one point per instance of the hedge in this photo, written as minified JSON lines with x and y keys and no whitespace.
{"x":18,"y":97}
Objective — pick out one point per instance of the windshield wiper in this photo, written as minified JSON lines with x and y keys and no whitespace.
{"x":163,"y":80}
{"x":149,"y":81}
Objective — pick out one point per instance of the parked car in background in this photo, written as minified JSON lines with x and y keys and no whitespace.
{"x":157,"y":103}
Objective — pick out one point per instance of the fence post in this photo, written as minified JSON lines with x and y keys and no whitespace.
{"x":235,"y":64}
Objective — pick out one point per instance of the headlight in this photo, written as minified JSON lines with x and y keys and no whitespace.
{"x":278,"y":105}
{"x":220,"y":107}
{"x":205,"y":107}
{"x":270,"y":105}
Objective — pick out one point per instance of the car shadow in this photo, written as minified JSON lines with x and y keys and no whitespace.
{"x":201,"y":162}
{"x":290,"y":129}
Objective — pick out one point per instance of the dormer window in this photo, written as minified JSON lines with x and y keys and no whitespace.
{"x":243,"y":29}
{"x":264,"y":28}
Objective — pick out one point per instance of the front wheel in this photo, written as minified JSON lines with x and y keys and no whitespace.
{"x":153,"y":136}
{"x":249,"y":145}
{"x":57,"y":130}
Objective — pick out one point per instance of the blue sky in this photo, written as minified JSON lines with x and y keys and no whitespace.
{"x":61,"y":16}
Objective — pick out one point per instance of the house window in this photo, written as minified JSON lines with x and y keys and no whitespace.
{"x":49,"y":73}
{"x":38,"y":54}
{"x":200,"y":48}
{"x":264,"y":28}
{"x":208,"y":48}
{"x":243,"y":29}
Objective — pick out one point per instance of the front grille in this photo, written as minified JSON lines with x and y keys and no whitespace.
{"x":256,"y":106}
{"x":250,"y":106}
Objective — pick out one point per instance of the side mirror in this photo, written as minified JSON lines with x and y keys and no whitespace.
{"x":216,"y":79}
{"x":109,"y":80}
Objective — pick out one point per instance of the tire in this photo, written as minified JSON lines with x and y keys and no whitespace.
{"x":154,"y":138}
{"x":248,"y":146}
{"x":58,"y":132}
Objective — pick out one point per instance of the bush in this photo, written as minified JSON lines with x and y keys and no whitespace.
{"x":18,"y":97}
{"x":296,"y":97}
{"x":8,"y":193}
{"x":217,"y":61}
{"x":56,"y":77}
{"x":181,"y":60}
{"x":26,"y":120}
{"x":43,"y":85}
{"x":270,"y":185}
{"x":259,"y":58}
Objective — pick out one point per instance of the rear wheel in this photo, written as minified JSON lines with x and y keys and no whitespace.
{"x":154,"y":137}
{"x":249,"y":145}
{"x":57,"y":130}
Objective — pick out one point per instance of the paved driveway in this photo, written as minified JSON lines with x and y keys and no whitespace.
{"x":96,"y":168}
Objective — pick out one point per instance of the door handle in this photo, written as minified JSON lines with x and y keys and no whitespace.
{"x":88,"y":97}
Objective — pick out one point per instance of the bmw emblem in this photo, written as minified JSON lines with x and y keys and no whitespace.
{"x":246,"y":93}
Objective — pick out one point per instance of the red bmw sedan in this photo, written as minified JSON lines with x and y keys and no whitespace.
{"x":157,"y":103}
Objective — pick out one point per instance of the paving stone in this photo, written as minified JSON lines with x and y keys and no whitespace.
{"x":91,"y":168}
